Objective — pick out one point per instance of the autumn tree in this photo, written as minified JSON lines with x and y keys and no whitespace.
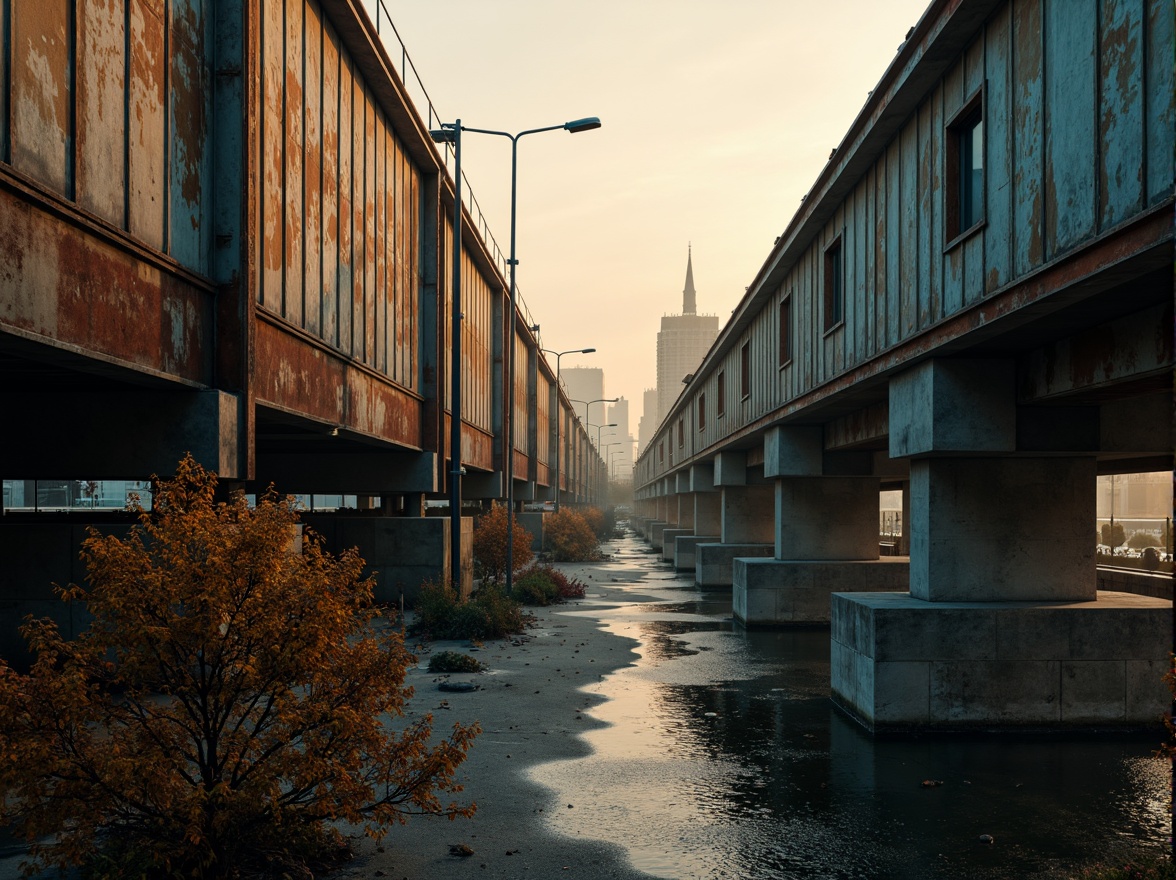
{"x":568,"y":537}
{"x":231,"y":701}
{"x":490,"y":543}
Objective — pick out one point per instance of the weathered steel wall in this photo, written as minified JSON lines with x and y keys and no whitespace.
{"x":107,"y":106}
{"x":340,"y":199}
{"x":1078,"y":115}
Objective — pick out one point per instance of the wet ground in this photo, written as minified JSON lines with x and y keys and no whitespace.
{"x":722,"y":756}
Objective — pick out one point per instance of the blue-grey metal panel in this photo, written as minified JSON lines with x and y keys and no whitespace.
{"x":998,"y":133}
{"x":188,"y":132}
{"x":1071,"y":69}
{"x":1028,"y":136}
{"x":1161,"y":100}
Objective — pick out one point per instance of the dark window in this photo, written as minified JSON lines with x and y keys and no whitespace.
{"x":702,"y":411}
{"x":745,"y":371}
{"x":834,"y":285}
{"x":661,"y":452}
{"x":786,"y":330}
{"x":721,"y":395}
{"x":965,"y":168}
{"x":681,"y":434}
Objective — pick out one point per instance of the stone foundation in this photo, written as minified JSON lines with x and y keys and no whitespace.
{"x":669,"y":542}
{"x":713,"y":563}
{"x":772,"y":592}
{"x":685,"y":549}
{"x":900,"y":663}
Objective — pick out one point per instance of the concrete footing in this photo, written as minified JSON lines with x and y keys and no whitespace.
{"x":900,"y":663}
{"x":773,"y":592}
{"x":654,"y":533}
{"x":670,"y":542}
{"x":685,"y":549}
{"x":713,"y":563}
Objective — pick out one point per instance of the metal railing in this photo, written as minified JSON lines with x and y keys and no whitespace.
{"x":414,"y":87}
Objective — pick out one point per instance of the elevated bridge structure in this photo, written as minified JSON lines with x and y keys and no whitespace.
{"x":974,"y":304}
{"x":224,"y":229}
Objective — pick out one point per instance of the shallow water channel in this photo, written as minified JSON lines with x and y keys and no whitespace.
{"x":723,"y":756}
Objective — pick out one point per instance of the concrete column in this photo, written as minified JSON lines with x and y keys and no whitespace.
{"x":708,"y":513}
{"x":686,"y":510}
{"x":1003,"y":529}
{"x":826,"y":518}
{"x":748,"y":515}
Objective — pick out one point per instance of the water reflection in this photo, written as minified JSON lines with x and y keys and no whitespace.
{"x":723,"y":757}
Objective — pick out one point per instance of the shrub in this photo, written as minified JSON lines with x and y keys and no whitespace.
{"x":568,"y":537}
{"x":1112,"y":536}
{"x":453,"y":661}
{"x":566,"y":587}
{"x":488,"y":614}
{"x":229,"y":699}
{"x":1151,"y":558}
{"x":534,"y":587}
{"x":490,"y":544}
{"x":594,"y":516}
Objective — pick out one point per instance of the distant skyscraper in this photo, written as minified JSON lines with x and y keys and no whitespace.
{"x":682,"y":343}
{"x":587,"y":384}
{"x":619,"y":465}
{"x":649,"y":418}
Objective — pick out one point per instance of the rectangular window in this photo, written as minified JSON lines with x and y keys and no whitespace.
{"x":786,"y":331}
{"x":702,"y":411}
{"x":965,"y":168}
{"x":745,"y":371}
{"x":834,"y":285}
{"x":721,"y":395}
{"x":661,"y":452}
{"x":681,"y":434}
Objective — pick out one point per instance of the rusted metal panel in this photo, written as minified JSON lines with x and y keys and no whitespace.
{"x":272,"y":137}
{"x":188,"y":132}
{"x":857,"y":241}
{"x":954,"y":97}
{"x":1028,"y":134}
{"x":477,"y":346}
{"x":346,"y":272}
{"x":312,"y":171}
{"x":1120,"y":114}
{"x":331,"y":159}
{"x":74,"y":287}
{"x":101,"y":108}
{"x":859,"y":428}
{"x":41,"y":112}
{"x":520,"y":412}
{"x":998,"y":164}
{"x":1138,"y":345}
{"x":1161,"y":100}
{"x":378,"y":255}
{"x":477,"y":447}
{"x":292,"y":120}
{"x":1071,"y":186}
{"x":926,"y":218}
{"x":365,"y":302}
{"x":298,"y":376}
{"x":543,"y":422}
{"x":148,"y":125}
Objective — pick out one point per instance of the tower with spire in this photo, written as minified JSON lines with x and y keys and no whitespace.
{"x":682,"y":343}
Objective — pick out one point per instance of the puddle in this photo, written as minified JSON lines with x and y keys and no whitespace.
{"x":721,"y":756}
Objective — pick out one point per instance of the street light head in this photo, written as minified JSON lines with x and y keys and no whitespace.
{"x":443,"y":135}
{"x":587,"y":350}
{"x":586,"y":124}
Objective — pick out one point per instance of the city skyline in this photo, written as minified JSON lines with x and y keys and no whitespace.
{"x":605,"y":217}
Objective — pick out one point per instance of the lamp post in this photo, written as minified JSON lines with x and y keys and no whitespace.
{"x":588,"y":404}
{"x":600,"y":428}
{"x":558,"y":419}
{"x":611,"y":457}
{"x":451,"y":134}
{"x":575,"y":126}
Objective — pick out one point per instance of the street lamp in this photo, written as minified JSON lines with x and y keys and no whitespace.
{"x":611,"y":458}
{"x":451,"y":134}
{"x":588,"y":403}
{"x":558,"y":420}
{"x":600,"y":428}
{"x":574,"y":127}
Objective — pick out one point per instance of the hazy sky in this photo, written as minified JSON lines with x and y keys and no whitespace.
{"x":717,"y":117}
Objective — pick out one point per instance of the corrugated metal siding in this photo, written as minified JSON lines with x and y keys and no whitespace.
{"x":1078,"y":121}
{"x":340,"y":200}
{"x":521,"y":408}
